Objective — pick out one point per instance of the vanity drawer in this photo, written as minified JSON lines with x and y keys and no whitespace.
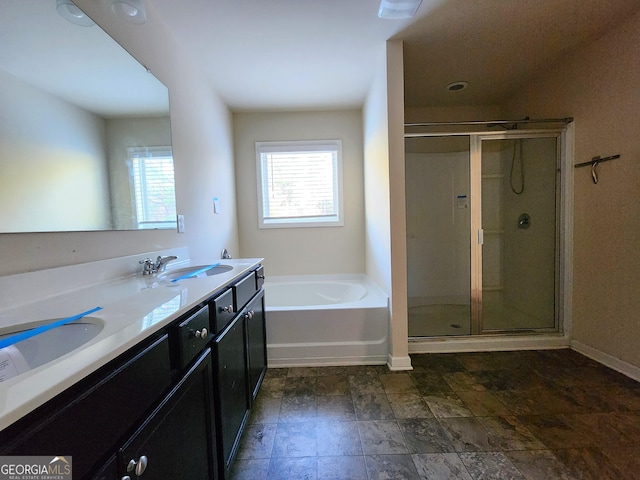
{"x":259,"y":277}
{"x":222,"y":311}
{"x":192,"y":336}
{"x":243,"y":290}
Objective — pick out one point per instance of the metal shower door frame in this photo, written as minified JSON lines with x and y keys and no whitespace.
{"x":475,"y":194}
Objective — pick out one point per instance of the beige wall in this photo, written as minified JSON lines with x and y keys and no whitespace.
{"x":399,"y":352}
{"x":121,"y":134}
{"x":597,"y":85}
{"x":298,"y":251}
{"x":52,"y":162}
{"x":203,"y":153}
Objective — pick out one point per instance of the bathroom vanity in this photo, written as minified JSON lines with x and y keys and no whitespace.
{"x":165,"y":395}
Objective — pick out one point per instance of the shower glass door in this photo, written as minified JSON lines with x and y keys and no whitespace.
{"x":519,"y":178}
{"x":482,"y":233}
{"x":438,"y":235}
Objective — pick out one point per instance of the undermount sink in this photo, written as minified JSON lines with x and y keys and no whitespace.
{"x":195,"y":271}
{"x":50,"y":344}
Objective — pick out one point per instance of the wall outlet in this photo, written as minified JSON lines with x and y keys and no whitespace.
{"x":180,"y":223}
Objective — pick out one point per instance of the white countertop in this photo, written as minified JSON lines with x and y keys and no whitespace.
{"x":133,"y":307}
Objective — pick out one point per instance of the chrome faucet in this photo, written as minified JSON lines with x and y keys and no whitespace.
{"x":149,"y":267}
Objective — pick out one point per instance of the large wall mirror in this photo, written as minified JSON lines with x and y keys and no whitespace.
{"x":85,"y":135}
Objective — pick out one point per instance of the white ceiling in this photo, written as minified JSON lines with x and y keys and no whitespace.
{"x":81,"y":65}
{"x":317,"y":54}
{"x":306,"y":54}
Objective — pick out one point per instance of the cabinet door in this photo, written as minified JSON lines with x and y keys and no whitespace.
{"x":177,"y":440}
{"x":90,"y":419}
{"x":256,"y":342}
{"x":231,"y":388}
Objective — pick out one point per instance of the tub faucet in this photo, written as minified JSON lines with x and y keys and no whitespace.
{"x":149,"y":267}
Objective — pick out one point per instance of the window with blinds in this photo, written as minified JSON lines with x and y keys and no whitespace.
{"x":153,"y":186}
{"x":299,"y":184}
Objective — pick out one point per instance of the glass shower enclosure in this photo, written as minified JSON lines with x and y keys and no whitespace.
{"x":482,"y":232}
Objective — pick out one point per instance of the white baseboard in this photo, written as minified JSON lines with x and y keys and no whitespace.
{"x":399,"y":363}
{"x":608,"y":360}
{"x":324,"y":361}
{"x":488,"y":343}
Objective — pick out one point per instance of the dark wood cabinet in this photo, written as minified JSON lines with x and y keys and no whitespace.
{"x":174,"y":406}
{"x":256,"y":342}
{"x":177,"y":439}
{"x":231,"y":388}
{"x":87,"y":420}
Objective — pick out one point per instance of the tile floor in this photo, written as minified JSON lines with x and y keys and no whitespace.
{"x":497,"y":415}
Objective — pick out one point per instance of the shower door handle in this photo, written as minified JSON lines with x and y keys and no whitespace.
{"x":480,"y":236}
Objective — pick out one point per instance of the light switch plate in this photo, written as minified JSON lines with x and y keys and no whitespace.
{"x":180,"y":223}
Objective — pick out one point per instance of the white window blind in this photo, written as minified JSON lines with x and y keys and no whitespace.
{"x":299,"y":184}
{"x":153,"y":185}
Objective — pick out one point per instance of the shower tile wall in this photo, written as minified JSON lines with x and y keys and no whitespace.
{"x":438,"y":229}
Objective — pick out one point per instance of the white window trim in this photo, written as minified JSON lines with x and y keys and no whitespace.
{"x":141,"y":153}
{"x":292,"y":146}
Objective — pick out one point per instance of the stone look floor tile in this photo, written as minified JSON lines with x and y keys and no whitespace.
{"x":265,"y":410}
{"x":408,"y":405}
{"x":531,"y":414}
{"x":342,"y":468}
{"x":539,"y":465}
{"x":440,"y":466}
{"x":250,"y":469}
{"x":333,"y":385}
{"x":490,"y":465}
{"x":257,"y":441}
{"x":373,"y":407}
{"x":295,"y":440}
{"x":298,"y":409}
{"x":381,"y":437}
{"x":447,"y":405}
{"x":304,"y":468}
{"x":331,"y":408}
{"x":338,"y":438}
{"x":398,"y":383}
{"x":507,"y":433}
{"x":590,"y":464}
{"x":467,"y":434}
{"x":483,"y":404}
{"x":391,"y":467}
{"x":425,"y":435}
{"x":462,"y":381}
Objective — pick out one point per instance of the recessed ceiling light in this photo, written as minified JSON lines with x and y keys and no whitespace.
{"x":70,"y":11}
{"x":131,"y":10}
{"x":457,"y":86}
{"x":398,"y":9}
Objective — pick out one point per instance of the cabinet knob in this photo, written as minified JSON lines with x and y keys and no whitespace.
{"x":260,"y":277}
{"x":249,"y":314}
{"x":136,"y":467}
{"x":201,"y":333}
{"x":228,"y":309}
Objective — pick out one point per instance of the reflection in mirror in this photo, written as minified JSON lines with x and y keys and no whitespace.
{"x":85,"y":135}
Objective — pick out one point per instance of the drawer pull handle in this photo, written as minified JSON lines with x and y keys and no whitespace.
{"x":137,"y":467}
{"x":201,"y":333}
{"x":228,"y":309}
{"x":249,"y":314}
{"x":260,"y":277}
